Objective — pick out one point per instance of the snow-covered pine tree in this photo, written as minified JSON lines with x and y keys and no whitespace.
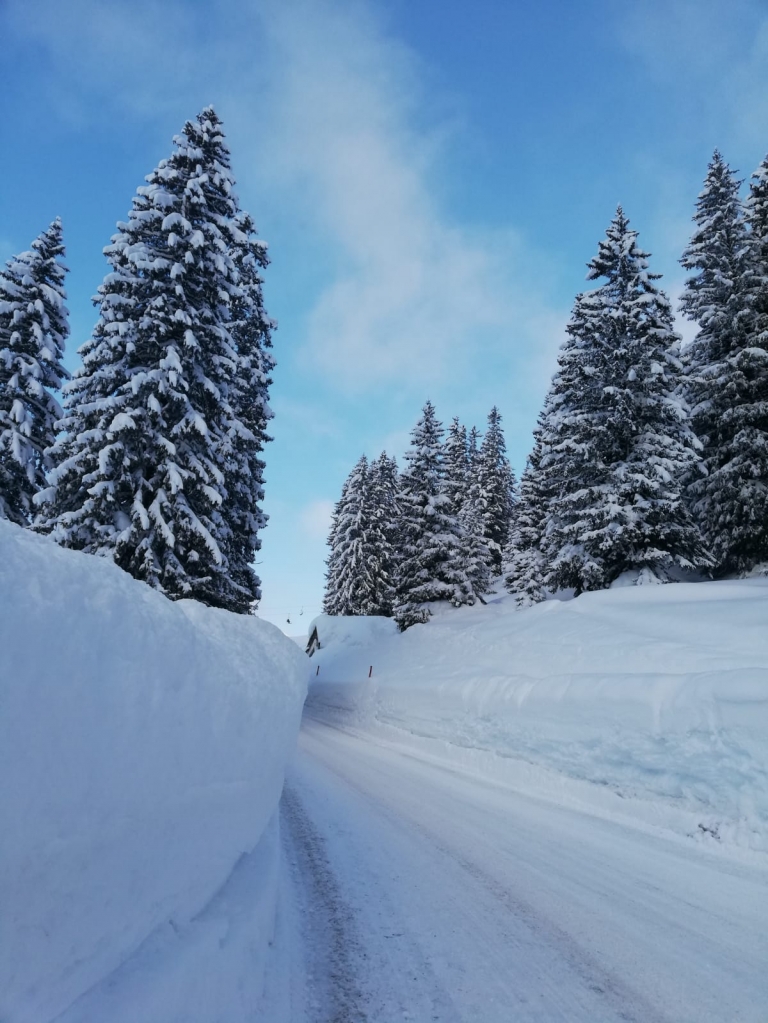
{"x":251,"y":330}
{"x":731,"y":501}
{"x":331,"y":596}
{"x":463,"y":492}
{"x":524,"y":564}
{"x":351,"y":573}
{"x":383,"y":486}
{"x":361,"y":565}
{"x":456,"y":465}
{"x":614,"y":434}
{"x":34,"y":327}
{"x":496,"y":489}
{"x":728,"y":494}
{"x":430,"y":564}
{"x":473,"y":450}
{"x":475,"y":557}
{"x":142,"y":470}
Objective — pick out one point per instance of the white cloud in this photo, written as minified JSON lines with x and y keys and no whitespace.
{"x":140,"y":55}
{"x":415,"y":295}
{"x":315,"y":518}
{"x":330,"y":112}
{"x":693,"y":43}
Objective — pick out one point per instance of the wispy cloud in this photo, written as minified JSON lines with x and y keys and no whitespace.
{"x":691,"y":43}
{"x":335,"y":121}
{"x":315,"y":518}
{"x":138,"y":56}
{"x":415,"y":294}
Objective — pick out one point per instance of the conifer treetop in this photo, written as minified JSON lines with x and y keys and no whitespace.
{"x":153,"y":470}
{"x":33,"y":332}
{"x":615,"y":440}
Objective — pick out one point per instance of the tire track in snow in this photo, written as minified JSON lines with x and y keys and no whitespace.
{"x":619,"y":998}
{"x":332,"y":945}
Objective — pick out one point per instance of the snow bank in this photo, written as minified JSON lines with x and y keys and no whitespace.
{"x":649,"y":703}
{"x":142,"y":749}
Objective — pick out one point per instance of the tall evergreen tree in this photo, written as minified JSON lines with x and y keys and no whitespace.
{"x":383,"y":488}
{"x":615,"y":438}
{"x":350,"y":580}
{"x":154,"y":434}
{"x":251,"y":331}
{"x":430,"y":566}
{"x":727,"y":378}
{"x":466,"y":506}
{"x":474,"y":557}
{"x":33,"y":331}
{"x":731,"y":502}
{"x":496,"y":489}
{"x":524,"y":564}
{"x":361,"y":565}
{"x":456,"y":465}
{"x":473,"y":450}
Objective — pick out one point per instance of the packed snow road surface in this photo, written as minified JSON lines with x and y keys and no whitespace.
{"x":419,"y":893}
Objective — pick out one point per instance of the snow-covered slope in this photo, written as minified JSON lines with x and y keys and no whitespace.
{"x":142,"y":750}
{"x":648,"y":703}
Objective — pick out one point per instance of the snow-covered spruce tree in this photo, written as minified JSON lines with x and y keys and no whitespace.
{"x":728,"y":494}
{"x":251,"y":330}
{"x":473,"y":450}
{"x":350,"y":583}
{"x":331,"y":598}
{"x":615,"y":440}
{"x":430,"y":563}
{"x":496,"y":489}
{"x":475,"y":558}
{"x":465,"y":504}
{"x":524,"y":566}
{"x":383,"y":486}
{"x":731,"y":501}
{"x":151,"y":418}
{"x":34,"y":327}
{"x":362,"y":561}
{"x":456,"y":465}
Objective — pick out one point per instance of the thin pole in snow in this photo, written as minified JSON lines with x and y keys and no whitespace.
{"x":318,"y":671}
{"x":370,"y":671}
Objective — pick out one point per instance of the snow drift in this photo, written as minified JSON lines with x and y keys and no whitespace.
{"x":647,"y":703}
{"x":142,"y":749}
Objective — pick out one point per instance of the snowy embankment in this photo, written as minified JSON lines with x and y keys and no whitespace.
{"x":142,"y":750}
{"x":645,"y":703}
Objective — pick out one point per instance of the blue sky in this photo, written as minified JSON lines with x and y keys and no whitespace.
{"x":431,"y":176}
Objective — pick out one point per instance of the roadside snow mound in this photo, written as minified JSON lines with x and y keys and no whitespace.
{"x":647,"y":703}
{"x":142,"y":749}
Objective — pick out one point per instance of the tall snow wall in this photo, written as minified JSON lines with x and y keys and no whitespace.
{"x":142,"y":752}
{"x":648,"y":704}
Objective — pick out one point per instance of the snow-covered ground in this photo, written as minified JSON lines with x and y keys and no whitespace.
{"x":420,"y":893}
{"x":646,"y":704}
{"x":143,"y":745}
{"x":553,"y":814}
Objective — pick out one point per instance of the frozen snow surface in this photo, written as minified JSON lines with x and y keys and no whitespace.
{"x":143,"y":745}
{"x":644,"y":704}
{"x":559,"y":813}
{"x":422,"y":893}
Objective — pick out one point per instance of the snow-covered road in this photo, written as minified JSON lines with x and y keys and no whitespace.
{"x":418,"y":893}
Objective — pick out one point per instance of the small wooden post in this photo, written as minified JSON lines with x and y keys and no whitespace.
{"x":370,"y":671}
{"x":318,"y":671}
